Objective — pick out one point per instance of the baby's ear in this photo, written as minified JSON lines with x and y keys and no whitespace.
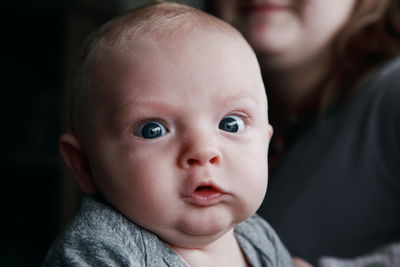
{"x":270,"y":130}
{"x":76,"y":159}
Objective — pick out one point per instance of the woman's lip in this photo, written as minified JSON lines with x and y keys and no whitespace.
{"x":262,"y":8}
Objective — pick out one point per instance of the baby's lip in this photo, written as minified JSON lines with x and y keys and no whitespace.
{"x":205,"y":194}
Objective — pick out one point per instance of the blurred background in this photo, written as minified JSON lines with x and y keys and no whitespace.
{"x":39,"y":45}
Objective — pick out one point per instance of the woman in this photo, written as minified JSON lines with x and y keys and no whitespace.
{"x":333,"y":79}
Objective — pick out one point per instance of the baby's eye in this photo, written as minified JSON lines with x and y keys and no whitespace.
{"x":232,"y":124}
{"x":150,"y":130}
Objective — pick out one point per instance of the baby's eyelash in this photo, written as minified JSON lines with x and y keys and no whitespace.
{"x":243,"y":115}
{"x":139,"y":123}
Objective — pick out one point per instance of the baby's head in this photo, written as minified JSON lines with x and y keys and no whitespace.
{"x":171,"y":125}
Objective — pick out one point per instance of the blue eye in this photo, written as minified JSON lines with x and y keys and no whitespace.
{"x":231,"y":124}
{"x":150,"y":130}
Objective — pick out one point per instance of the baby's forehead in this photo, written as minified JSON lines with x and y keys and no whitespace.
{"x":176,"y":45}
{"x":134,"y":51}
{"x":179,"y":50}
{"x":158,"y":62}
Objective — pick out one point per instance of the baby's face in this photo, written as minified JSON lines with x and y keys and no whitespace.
{"x":181,"y":135}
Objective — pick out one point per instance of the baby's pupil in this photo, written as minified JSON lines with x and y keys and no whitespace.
{"x":229,"y":124}
{"x":151,"y":130}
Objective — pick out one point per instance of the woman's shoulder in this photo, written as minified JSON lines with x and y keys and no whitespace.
{"x":386,"y":79}
{"x":380,"y":111}
{"x":390,"y":70}
{"x":379,"y":96}
{"x":385,"y":90}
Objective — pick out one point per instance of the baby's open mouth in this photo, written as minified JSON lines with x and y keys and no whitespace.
{"x":206,"y":191}
{"x":206,"y":194}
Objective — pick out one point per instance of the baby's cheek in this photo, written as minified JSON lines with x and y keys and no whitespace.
{"x":259,"y":187}
{"x":252,"y":189}
{"x":257,"y":180}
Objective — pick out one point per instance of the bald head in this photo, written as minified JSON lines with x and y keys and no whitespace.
{"x":128,"y":32}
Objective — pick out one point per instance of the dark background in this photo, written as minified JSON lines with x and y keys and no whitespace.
{"x":32,"y":70}
{"x":38,"y":47}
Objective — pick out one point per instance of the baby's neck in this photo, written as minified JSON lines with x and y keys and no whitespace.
{"x":223,"y":252}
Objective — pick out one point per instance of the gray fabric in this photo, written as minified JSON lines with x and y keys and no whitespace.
{"x":101,"y":236}
{"x":388,"y":256}
{"x":337,"y":192}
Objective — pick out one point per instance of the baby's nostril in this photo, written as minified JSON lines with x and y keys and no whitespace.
{"x":191,"y":161}
{"x":214,"y":160}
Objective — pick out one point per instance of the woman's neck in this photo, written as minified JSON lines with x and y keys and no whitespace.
{"x":289,"y":87}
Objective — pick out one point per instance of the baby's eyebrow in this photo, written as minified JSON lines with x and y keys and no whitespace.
{"x":239,"y":100}
{"x":140,"y":106}
{"x":144,"y":106}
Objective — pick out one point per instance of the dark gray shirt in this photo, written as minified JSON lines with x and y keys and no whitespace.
{"x":101,"y":236}
{"x":337,"y":192}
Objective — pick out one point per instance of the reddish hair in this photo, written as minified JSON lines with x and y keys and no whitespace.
{"x":370,"y":38}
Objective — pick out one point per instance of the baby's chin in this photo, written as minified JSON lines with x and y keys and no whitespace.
{"x":197,"y":232}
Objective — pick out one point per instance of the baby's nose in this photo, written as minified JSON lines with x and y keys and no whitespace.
{"x":200,"y":152}
{"x":202,"y":159}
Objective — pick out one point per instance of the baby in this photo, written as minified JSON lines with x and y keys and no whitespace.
{"x":169,"y":146}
